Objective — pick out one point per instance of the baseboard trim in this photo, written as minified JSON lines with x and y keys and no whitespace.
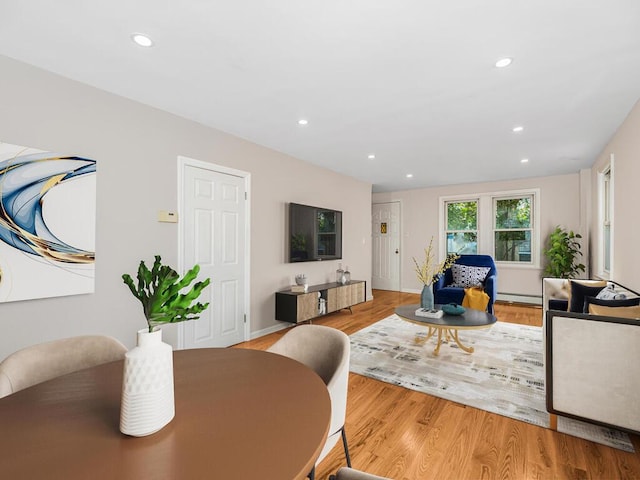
{"x":411,"y":290}
{"x":268,"y":330}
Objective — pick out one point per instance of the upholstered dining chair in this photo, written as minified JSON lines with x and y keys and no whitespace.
{"x":44,"y":361}
{"x":346,"y":473}
{"x":326,"y":351}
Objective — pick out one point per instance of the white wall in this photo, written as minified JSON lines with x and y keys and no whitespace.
{"x":625,"y":147}
{"x":136,"y":148}
{"x":420,"y":208}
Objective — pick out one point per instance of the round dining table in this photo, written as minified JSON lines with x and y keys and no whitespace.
{"x":240,"y":414}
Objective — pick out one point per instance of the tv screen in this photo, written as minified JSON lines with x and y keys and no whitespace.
{"x":314,"y":233}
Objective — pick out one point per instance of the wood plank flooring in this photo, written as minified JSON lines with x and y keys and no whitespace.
{"x":407,"y":435}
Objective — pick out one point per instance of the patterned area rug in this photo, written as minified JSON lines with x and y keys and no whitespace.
{"x":504,"y":375}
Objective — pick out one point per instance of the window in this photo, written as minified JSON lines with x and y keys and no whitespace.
{"x":462,"y":227}
{"x":606,"y":222}
{"x":512,"y":229}
{"x":503,"y":224}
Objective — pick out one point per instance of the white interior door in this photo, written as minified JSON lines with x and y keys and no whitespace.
{"x":214,"y":217}
{"x":385,"y":218}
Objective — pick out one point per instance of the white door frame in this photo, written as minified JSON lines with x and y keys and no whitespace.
{"x":400,"y":239}
{"x":184,"y":162}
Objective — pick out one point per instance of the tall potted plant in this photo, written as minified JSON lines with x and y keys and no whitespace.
{"x":147,"y":385}
{"x":563,"y":250}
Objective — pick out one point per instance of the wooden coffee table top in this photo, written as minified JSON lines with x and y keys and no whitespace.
{"x":240,"y":414}
{"x":469,"y":319}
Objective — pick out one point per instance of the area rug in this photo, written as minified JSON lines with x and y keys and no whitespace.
{"x":504,"y":375}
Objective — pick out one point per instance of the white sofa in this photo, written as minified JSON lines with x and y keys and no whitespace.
{"x":592,"y":362}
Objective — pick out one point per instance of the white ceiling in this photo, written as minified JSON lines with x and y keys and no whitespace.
{"x":413,"y":82}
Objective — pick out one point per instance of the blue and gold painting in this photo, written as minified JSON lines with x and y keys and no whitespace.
{"x":47,"y":224}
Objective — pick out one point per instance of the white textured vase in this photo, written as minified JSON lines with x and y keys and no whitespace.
{"x":147,"y":386}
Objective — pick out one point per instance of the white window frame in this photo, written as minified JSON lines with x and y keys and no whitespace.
{"x":495,"y":229}
{"x":486,"y":224}
{"x":605,"y":216}
{"x":446,"y":222}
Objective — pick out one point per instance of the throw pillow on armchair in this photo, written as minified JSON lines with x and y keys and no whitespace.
{"x":465,"y":276}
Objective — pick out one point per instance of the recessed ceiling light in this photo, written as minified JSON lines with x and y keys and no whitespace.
{"x":142,"y":40}
{"x":302,"y":121}
{"x":504,"y":62}
{"x":524,"y":160}
{"x":371,"y":156}
{"x":409,"y":175}
{"x":518,"y":129}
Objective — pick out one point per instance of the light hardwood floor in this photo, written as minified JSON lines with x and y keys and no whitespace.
{"x":407,"y":435}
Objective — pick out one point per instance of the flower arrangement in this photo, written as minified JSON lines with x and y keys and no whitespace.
{"x":159,"y":289}
{"x":429,"y":271}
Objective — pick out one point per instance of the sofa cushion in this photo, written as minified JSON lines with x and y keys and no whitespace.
{"x":625,"y":302}
{"x":450,"y":295}
{"x":558,"y":304}
{"x":579,"y":290}
{"x":610,"y":293}
{"x":620,"y":312}
{"x":466,"y":276}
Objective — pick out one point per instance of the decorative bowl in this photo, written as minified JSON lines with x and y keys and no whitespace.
{"x":453,"y":309}
{"x":301,"y":279}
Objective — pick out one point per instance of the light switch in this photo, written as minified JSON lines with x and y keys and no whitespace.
{"x":167,"y":216}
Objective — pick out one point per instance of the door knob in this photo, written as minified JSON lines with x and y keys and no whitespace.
{"x":397,"y":250}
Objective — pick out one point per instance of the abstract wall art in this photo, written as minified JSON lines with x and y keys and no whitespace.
{"x":47,"y":224}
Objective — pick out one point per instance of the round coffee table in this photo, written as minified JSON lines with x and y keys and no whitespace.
{"x":447,"y":326}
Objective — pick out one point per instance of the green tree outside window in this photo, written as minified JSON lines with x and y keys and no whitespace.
{"x":512,"y":231}
{"x":462,"y":227}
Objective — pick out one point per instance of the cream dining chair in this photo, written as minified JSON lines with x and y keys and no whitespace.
{"x":326,"y":351}
{"x":44,"y":361}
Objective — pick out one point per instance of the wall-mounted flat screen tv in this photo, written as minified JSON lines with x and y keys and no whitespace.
{"x":314,"y":233}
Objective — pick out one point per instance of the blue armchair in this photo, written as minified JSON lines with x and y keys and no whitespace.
{"x":444,"y":293}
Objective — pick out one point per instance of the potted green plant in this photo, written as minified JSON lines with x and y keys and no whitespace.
{"x":562,"y":254}
{"x":147,"y":387}
{"x":159,"y":290}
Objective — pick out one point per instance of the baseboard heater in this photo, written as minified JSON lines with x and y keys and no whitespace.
{"x":520,"y":298}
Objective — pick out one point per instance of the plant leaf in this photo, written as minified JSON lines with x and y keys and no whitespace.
{"x":159,"y":290}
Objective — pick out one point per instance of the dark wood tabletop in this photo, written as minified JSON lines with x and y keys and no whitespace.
{"x":240,"y":414}
{"x":469,"y":319}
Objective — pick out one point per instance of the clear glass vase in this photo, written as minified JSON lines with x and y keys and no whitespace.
{"x":340,"y":275}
